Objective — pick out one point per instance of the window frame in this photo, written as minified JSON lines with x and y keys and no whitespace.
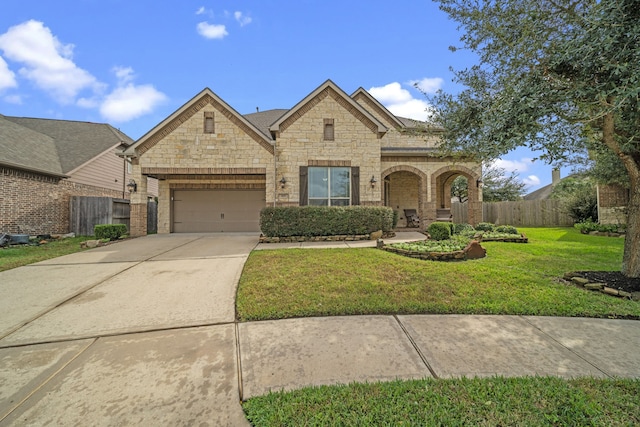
{"x":331,"y":175}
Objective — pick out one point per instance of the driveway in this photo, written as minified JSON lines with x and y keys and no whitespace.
{"x":139,"y":332}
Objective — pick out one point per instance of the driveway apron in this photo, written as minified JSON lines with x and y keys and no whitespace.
{"x":136,"y":333}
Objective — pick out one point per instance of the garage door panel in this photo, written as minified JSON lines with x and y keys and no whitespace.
{"x":217,"y":210}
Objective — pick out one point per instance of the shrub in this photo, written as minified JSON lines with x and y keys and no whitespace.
{"x":507,"y":229}
{"x":439,"y":230}
{"x":484,"y":226}
{"x":463,"y":229}
{"x":588,"y":226}
{"x":109,"y":231}
{"x":324,"y":221}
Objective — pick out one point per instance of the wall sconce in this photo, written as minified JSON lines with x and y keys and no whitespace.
{"x":283,"y":182}
{"x":132,"y":186}
{"x":373,"y":181}
{"x":478,"y":183}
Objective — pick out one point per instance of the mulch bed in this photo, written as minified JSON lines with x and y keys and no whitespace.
{"x":613,"y":279}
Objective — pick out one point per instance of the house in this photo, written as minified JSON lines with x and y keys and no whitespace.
{"x":43,"y":163}
{"x":218,"y":168}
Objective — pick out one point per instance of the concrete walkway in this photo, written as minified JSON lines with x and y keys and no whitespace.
{"x":143,"y":332}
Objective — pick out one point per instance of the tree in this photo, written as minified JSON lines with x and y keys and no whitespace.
{"x":578,"y":197}
{"x":561,"y":76}
{"x":497,"y":186}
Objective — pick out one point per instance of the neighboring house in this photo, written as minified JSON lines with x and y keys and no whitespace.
{"x":43,"y":163}
{"x":544,"y":193}
{"x":218,"y":168}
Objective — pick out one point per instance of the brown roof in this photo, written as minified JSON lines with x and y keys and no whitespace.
{"x":73,"y":142}
{"x":263,"y":119}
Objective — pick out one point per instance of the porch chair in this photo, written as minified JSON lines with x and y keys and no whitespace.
{"x":413,"y":220}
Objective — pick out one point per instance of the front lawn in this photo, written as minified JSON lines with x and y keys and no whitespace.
{"x":531,"y":401}
{"x":513,"y":279}
{"x":18,"y":256}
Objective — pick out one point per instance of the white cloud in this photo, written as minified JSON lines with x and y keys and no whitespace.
{"x":128,"y":101}
{"x":7,"y":77}
{"x":400,"y":101}
{"x":46,"y":61}
{"x":242,"y":19}
{"x":211,"y":31}
{"x":428,"y":85}
{"x":201,"y":11}
{"x":532,"y":181}
{"x":13,"y":99}
{"x":519,"y":166}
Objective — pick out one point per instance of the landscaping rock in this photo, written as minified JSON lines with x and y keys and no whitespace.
{"x":594,"y":286}
{"x":90,"y":244}
{"x":580,"y":280}
{"x":475,"y":251}
{"x":375,"y":235}
{"x":611,"y":291}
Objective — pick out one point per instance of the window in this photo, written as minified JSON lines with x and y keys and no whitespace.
{"x":208,"y":122}
{"x":329,"y":186}
{"x":129,"y":166}
{"x":328,"y":130}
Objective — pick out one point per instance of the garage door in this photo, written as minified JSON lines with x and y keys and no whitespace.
{"x":201,"y":211}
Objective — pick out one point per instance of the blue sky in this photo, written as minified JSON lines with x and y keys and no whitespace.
{"x":131,"y":63}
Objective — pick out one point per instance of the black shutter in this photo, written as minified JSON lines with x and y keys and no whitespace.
{"x":304,"y":186}
{"x":355,"y":185}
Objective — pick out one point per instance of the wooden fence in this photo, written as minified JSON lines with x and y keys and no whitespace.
{"x":86,"y":212}
{"x":529,"y":213}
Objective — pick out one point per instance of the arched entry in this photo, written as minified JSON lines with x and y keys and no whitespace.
{"x":405,"y":188}
{"x":441,"y":181}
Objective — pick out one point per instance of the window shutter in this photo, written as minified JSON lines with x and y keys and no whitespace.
{"x":328,"y":130}
{"x":209,"y":126}
{"x":304,"y":186}
{"x":355,"y":185}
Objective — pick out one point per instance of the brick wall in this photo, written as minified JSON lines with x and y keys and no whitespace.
{"x":36,"y":204}
{"x":612,"y":204}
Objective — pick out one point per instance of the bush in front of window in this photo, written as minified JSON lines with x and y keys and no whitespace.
{"x":310,"y":221}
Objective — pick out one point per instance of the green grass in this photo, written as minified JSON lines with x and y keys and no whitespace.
{"x":530,"y":401}
{"x":17,"y":256}
{"x":514,"y":278}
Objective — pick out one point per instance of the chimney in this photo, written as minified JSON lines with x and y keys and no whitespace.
{"x":555,"y":176}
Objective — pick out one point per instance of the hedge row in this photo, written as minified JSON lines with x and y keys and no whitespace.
{"x":324,"y":221}
{"x":109,"y":231}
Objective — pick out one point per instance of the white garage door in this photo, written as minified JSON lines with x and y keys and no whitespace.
{"x":201,"y":211}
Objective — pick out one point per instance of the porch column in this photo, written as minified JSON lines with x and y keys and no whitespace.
{"x":138,"y":213}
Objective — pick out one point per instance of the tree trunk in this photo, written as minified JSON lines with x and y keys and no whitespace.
{"x":631,"y":255}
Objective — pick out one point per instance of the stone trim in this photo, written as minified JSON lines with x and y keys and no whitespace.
{"x":259,"y":178}
{"x":427,"y":158}
{"x":204,"y":171}
{"x":334,"y":163}
{"x":190,"y":112}
{"x":218,"y":186}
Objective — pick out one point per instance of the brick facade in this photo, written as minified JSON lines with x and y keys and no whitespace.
{"x":34,"y":204}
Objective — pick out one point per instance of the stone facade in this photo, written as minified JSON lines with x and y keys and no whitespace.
{"x":34,"y":204}
{"x":206,"y":145}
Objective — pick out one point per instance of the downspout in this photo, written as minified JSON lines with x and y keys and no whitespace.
{"x":275,"y":170}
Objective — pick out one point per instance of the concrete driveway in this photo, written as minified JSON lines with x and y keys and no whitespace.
{"x":137,"y":333}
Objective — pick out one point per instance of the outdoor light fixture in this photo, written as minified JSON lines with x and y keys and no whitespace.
{"x":283,"y":182}
{"x":373,"y":181}
{"x":478,"y":182}
{"x":132,"y":186}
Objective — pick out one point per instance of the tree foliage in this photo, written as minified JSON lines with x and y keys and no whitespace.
{"x":578,"y":197}
{"x":497,"y":186}
{"x":558,"y":76}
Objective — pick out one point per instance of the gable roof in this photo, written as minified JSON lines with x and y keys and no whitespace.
{"x":377,"y":106}
{"x":263,"y":119}
{"x":191,"y":107}
{"x":54,"y":147}
{"x":329,"y":88}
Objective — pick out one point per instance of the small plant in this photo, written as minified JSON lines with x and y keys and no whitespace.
{"x":455,"y":243}
{"x":507,"y":229}
{"x":463,"y":229}
{"x":109,"y":231}
{"x":586,"y":227}
{"x":439,"y":230}
{"x":484,"y":226}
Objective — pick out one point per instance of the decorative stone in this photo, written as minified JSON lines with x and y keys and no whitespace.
{"x":611,"y":291}
{"x":475,"y":251}
{"x":594,"y":286}
{"x":580,"y":280}
{"x":625,"y":294}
